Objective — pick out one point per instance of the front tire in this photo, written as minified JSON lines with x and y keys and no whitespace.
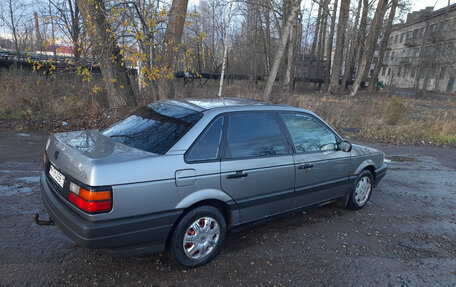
{"x":198,"y":236}
{"x":361,"y":191}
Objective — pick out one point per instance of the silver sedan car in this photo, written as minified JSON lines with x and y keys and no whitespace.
{"x":180,"y":174}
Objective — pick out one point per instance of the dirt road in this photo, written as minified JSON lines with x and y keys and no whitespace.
{"x":405,"y":236}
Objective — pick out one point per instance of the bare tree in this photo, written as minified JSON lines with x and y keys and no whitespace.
{"x":13,"y":17}
{"x":322,"y":38}
{"x":173,"y":35}
{"x":383,"y":45}
{"x":69,"y":21}
{"x":338,"y":56}
{"x":281,"y":50}
{"x":225,"y":49}
{"x":289,"y":72}
{"x":317,"y":29}
{"x":106,"y":48}
{"x":349,"y":63}
{"x":369,"y":45}
{"x":329,"y":47}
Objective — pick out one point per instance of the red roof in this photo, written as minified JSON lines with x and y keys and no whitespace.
{"x":59,"y":49}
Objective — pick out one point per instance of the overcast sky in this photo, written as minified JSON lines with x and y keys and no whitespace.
{"x":421,"y":4}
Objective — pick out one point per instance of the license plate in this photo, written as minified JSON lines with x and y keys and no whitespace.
{"x":57,"y":176}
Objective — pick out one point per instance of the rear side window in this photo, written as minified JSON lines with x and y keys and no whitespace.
{"x":253,"y":135}
{"x":309,"y":134}
{"x":153,"y":128}
{"x":207,"y":146}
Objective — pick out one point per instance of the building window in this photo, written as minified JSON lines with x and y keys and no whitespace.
{"x":395,"y":39}
{"x":427,"y":51}
{"x":405,"y":72}
{"x":402,"y":38}
{"x":423,"y":31}
{"x":442,"y":73}
{"x":415,"y":33}
{"x":434,"y":28}
{"x":399,"y":72}
{"x":387,"y":55}
{"x":412,"y":73}
{"x":392,"y":55}
{"x":437,"y":52}
{"x":383,"y":71}
{"x":389,"y":71}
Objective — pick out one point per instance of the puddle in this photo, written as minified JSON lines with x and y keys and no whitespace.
{"x":399,"y":158}
{"x":29,"y":179}
{"x":20,"y":185}
{"x":14,"y":189}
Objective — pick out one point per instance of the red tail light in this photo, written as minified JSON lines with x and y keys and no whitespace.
{"x":89,"y":200}
{"x":89,"y":206}
{"x":44,"y":161}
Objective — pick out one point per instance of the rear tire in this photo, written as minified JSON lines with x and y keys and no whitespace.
{"x":361,"y":191}
{"x":198,"y":237}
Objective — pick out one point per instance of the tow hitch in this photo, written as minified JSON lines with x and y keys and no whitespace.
{"x":36,"y":217}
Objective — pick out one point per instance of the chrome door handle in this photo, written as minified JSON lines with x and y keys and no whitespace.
{"x":305,"y":166}
{"x":238,"y":174}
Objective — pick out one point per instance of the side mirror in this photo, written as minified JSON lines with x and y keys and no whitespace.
{"x":345,"y":146}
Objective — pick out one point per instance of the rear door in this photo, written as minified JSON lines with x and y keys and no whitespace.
{"x":321,"y":169}
{"x":257,"y":169}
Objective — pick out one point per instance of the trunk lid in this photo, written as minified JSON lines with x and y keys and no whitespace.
{"x":94,"y":159}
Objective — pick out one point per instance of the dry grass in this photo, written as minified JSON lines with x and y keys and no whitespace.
{"x":31,"y":95}
{"x":388,"y":118}
{"x":32,"y":99}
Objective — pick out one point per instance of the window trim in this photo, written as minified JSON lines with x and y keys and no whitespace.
{"x":274,"y":113}
{"x":208,"y":126}
{"x":290,"y":139}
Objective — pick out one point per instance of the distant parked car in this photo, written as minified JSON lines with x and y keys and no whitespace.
{"x":179,"y":174}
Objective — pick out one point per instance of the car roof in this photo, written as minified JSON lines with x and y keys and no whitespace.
{"x":224,"y":104}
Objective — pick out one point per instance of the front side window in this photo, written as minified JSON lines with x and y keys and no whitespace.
{"x":309,"y":134}
{"x":154,"y":128}
{"x":207,"y":146}
{"x":253,"y":135}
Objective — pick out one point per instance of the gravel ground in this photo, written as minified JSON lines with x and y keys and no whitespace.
{"x":405,"y":236}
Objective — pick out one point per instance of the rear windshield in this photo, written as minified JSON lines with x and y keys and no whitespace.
{"x":153,"y":128}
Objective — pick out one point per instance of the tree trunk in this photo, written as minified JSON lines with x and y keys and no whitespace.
{"x":289,"y":72}
{"x":322,"y":39}
{"x":105,"y":46}
{"x":225,"y":49}
{"x":173,"y":36}
{"x":75,"y":30}
{"x":370,"y":44}
{"x":361,"y":35}
{"x":338,"y":56}
{"x":13,"y":27}
{"x":383,"y":46}
{"x":329,"y":47}
{"x":348,"y":71}
{"x":280,"y":50}
{"x":315,"y":38}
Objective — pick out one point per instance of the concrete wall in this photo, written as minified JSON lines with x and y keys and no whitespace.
{"x":419,"y":43}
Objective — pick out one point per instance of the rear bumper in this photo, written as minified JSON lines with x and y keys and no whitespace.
{"x":380,"y":173}
{"x":131,"y":236}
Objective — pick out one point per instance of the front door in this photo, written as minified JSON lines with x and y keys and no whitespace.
{"x":257,"y":169}
{"x":321,"y":169}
